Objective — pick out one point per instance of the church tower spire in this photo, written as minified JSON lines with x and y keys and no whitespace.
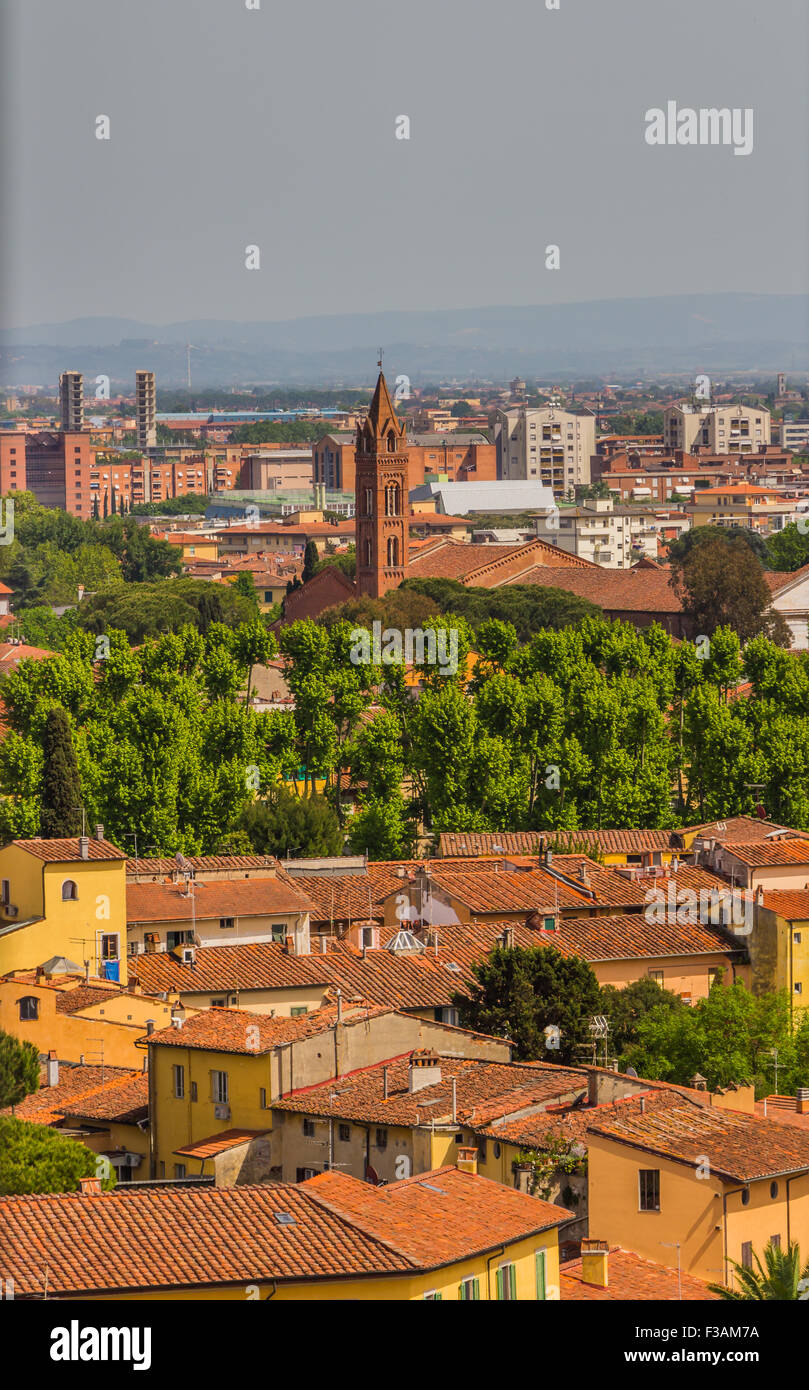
{"x":381,"y":492}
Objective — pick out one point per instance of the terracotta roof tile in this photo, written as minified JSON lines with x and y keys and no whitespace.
{"x":757,"y":853}
{"x":67,"y":851}
{"x":238,"y":1030}
{"x":202,"y":862}
{"x":794,"y":906}
{"x":609,"y":841}
{"x":219,"y":1143}
{"x":437,"y":1217}
{"x":212,"y":898}
{"x":181,"y":1238}
{"x":634,"y":1279}
{"x":740,"y":1147}
{"x":110,"y":1092}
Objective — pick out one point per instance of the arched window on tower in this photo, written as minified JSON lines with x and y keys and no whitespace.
{"x":369,"y":501}
{"x":393,"y":552}
{"x":391,"y":442}
{"x":369,"y":552}
{"x":392,"y":495}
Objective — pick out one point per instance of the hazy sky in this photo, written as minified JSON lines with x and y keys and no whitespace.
{"x":276,"y":127}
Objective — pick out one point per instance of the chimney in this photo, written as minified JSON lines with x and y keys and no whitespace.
{"x":583,"y":873}
{"x":424,"y":1070}
{"x":99,"y":831}
{"x":467,"y":1161}
{"x":90,"y":1187}
{"x":52,"y":1069}
{"x":549,"y":857}
{"x":84,"y":847}
{"x":149,"y":1026}
{"x":339,"y":1006}
{"x":595,"y":1259}
{"x":802,"y":1100}
{"x":760,"y":895}
{"x":507,"y":938}
{"x":699,"y":1083}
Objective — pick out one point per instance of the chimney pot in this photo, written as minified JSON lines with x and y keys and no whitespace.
{"x":84,"y":847}
{"x":595,"y":1256}
{"x":802,"y":1100}
{"x":99,"y":831}
{"x":90,"y":1187}
{"x":149,"y":1026}
{"x":52,"y":1069}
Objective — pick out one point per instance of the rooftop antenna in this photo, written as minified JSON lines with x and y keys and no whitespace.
{"x":83,"y":818}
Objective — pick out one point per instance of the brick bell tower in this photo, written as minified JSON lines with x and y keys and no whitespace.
{"x":381,"y":491}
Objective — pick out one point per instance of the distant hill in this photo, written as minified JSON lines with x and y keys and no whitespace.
{"x":685,"y":333}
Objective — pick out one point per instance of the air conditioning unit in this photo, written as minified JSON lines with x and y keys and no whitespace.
{"x":221,"y":1112}
{"x":11,"y":909}
{"x":131,"y":1160}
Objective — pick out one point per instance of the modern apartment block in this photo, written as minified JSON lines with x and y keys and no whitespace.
{"x":732,"y":429}
{"x":550,"y":445}
{"x":794,"y":435}
{"x":71,"y":401}
{"x":146,"y":410}
{"x":597,"y":530}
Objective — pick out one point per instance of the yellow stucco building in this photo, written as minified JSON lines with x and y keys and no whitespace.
{"x":63,"y":898}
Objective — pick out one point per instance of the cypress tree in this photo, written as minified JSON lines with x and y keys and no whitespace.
{"x":310,"y":559}
{"x":61,"y":786}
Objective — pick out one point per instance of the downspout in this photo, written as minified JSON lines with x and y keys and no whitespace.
{"x":495,"y":1255}
{"x":725,"y":1196}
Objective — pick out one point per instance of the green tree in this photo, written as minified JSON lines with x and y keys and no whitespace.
{"x":520,"y":992}
{"x":626,"y":1007}
{"x":779,"y":1279}
{"x":721,"y":584}
{"x":19,"y":1070}
{"x":310,"y":559}
{"x":284,"y":824}
{"x":788,"y":550}
{"x":61,"y":798}
{"x":35,"y":1158}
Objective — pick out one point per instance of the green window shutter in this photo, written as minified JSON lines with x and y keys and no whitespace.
{"x":500,"y":1285}
{"x":540,"y":1261}
{"x":512,"y":1281}
{"x":476,"y":1288}
{"x":462,"y":1290}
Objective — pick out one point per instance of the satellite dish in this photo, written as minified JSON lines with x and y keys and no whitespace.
{"x":630,"y":1071}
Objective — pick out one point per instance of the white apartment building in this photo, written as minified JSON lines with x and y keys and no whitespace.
{"x":597,"y":530}
{"x":732,"y":429}
{"x":546,"y":445}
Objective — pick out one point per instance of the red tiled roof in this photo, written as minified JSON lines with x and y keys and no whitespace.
{"x":238,"y":1030}
{"x":609,"y":841}
{"x":631,"y":937}
{"x":759,"y":853}
{"x":203,"y":862}
{"x":626,"y":591}
{"x":66,"y":851}
{"x":735,"y":828}
{"x":483,"y":1090}
{"x":740,"y":1147}
{"x":219,"y":1143}
{"x":72,"y":1001}
{"x":461,"y":560}
{"x":147,"y":1240}
{"x":109,"y":1093}
{"x":438,"y":1217}
{"x":169,"y":902}
{"x":794,"y":906}
{"x":634,"y":1279}
{"x":181,"y":1238}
